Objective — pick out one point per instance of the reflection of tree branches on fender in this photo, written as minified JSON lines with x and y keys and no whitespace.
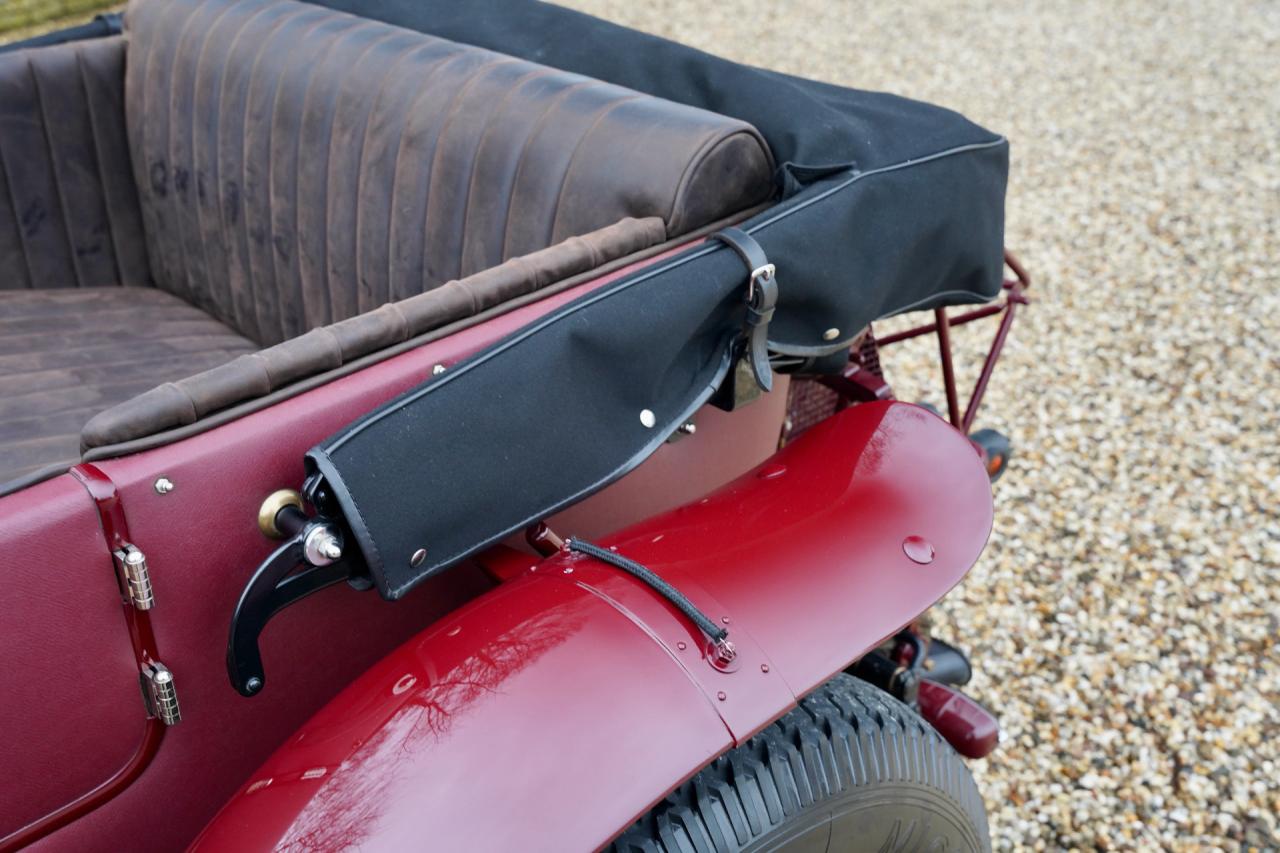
{"x":350,"y":800}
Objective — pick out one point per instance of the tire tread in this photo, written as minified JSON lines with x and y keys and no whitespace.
{"x":847,"y":734}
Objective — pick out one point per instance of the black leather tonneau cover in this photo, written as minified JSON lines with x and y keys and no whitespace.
{"x":886,"y":205}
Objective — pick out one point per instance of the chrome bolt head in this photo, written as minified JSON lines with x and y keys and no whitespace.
{"x":322,"y":544}
{"x":724,"y":653}
{"x":163,"y":486}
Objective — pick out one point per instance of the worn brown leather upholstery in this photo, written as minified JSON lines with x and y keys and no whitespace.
{"x":69,"y":212}
{"x":299,"y":166}
{"x":67,"y":353}
{"x":257,"y":374}
{"x":279,"y":171}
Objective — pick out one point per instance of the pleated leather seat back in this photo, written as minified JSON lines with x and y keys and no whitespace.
{"x":299,"y":166}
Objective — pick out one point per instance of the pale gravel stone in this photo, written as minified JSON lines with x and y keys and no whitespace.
{"x":1124,"y":617}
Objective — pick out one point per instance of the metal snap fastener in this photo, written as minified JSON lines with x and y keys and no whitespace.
{"x":831,"y":334}
{"x":419,"y":557}
{"x":647,"y":418}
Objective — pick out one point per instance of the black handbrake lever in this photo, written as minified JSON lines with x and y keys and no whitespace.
{"x":315,"y":545}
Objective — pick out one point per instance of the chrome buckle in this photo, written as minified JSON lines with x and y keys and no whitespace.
{"x":765,"y":272}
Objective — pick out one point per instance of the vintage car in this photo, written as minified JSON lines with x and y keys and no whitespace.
{"x":459,"y":427}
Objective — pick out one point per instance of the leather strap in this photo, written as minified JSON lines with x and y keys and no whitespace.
{"x":762,"y":296}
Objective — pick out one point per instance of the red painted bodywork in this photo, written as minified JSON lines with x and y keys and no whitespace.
{"x":552,"y":711}
{"x":71,"y":709}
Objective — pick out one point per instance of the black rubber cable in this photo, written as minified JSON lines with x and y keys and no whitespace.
{"x":666,"y":590}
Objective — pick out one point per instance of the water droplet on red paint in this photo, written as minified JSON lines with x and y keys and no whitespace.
{"x":918,"y":550}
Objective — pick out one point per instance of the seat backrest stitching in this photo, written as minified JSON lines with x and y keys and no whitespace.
{"x":537,"y":127}
{"x":423,"y":90}
{"x":378,"y":93}
{"x":17,"y":216}
{"x":254,"y":302}
{"x":490,"y":123}
{"x":277,"y":294}
{"x":94,"y":137}
{"x":53,"y":165}
{"x":454,"y":105}
{"x":328,"y":183}
{"x":568,"y":169}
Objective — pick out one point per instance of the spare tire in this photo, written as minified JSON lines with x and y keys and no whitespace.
{"x":850,"y":769}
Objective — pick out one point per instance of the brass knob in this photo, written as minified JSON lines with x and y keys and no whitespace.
{"x":271,"y":507}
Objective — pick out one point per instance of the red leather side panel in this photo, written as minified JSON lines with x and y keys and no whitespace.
{"x":71,"y":712}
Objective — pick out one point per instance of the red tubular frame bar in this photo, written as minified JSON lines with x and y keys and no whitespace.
{"x":1015,"y":295}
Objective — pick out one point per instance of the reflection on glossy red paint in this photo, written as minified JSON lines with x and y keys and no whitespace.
{"x":552,"y":711}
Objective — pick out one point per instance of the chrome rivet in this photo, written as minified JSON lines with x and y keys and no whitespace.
{"x":647,"y":418}
{"x":724,"y":619}
{"x":764,"y":667}
{"x":437,"y":369}
{"x":163,"y":486}
{"x":419,"y":557}
{"x":831,"y":334}
{"x":722,"y":696}
{"x":681,"y":646}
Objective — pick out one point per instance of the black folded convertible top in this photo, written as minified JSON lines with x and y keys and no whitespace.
{"x":885,"y":205}
{"x":934,"y":241}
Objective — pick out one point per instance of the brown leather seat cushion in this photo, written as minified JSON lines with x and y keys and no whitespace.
{"x":299,"y":166}
{"x":68,"y":353}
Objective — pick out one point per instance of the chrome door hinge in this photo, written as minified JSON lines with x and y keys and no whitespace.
{"x":159,"y":694}
{"x":134,"y":577}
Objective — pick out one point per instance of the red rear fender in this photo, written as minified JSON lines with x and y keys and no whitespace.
{"x":554,"y":710}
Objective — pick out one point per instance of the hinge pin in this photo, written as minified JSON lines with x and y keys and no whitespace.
{"x":134,"y":577}
{"x":159,"y":694}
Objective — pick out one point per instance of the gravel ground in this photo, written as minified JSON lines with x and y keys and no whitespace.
{"x":1124,"y":615}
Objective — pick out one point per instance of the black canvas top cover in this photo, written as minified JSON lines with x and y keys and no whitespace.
{"x":885,"y":205}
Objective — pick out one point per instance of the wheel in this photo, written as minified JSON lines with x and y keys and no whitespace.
{"x":850,"y":769}
{"x":997,"y":448}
